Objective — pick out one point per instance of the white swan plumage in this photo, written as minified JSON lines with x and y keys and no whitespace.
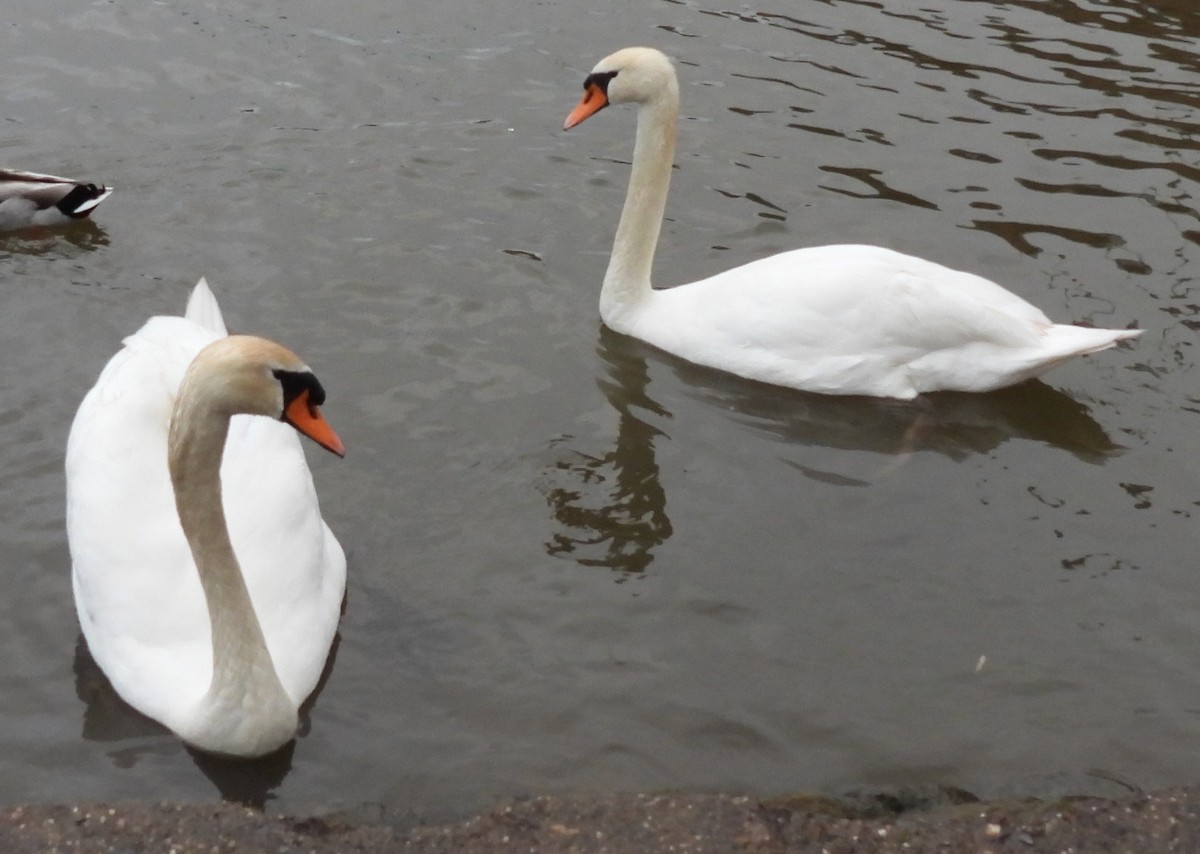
{"x":843,"y":319}
{"x":219,"y":633}
{"x":31,"y":198}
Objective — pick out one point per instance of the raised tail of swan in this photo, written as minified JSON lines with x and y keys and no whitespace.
{"x":203,"y":309}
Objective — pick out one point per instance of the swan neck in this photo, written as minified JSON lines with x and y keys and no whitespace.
{"x":627,"y":281}
{"x":243,"y":674}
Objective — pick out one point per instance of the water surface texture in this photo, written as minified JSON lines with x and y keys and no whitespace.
{"x":578,"y":564}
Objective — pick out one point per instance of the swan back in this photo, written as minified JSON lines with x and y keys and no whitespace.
{"x":116,"y":467}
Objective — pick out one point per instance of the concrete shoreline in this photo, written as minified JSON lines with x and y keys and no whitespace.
{"x":698,"y":823}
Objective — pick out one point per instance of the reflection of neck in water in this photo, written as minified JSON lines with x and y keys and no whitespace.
{"x":627,"y":518}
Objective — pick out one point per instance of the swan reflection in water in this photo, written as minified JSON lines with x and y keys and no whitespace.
{"x":954,"y":424}
{"x":611,"y":506}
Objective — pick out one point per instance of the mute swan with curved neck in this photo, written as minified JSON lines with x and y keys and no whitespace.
{"x":831,"y":319}
{"x":31,"y":198}
{"x":207,"y":585}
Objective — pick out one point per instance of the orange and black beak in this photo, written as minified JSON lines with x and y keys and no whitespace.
{"x":593,"y":101}
{"x":307,"y":418}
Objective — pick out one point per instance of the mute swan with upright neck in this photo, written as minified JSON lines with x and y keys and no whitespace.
{"x":843,"y":319}
{"x":207,"y":585}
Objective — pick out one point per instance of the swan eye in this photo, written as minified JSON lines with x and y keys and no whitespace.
{"x":600,"y":80}
{"x":294,"y":383}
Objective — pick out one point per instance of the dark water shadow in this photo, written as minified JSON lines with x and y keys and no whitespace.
{"x":106,"y":717}
{"x":248,"y":782}
{"x":109,"y":719}
{"x":70,"y":239}
{"x":611,"y":506}
{"x":955,"y":424}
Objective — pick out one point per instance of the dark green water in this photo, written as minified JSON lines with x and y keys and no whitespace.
{"x":576,"y":564}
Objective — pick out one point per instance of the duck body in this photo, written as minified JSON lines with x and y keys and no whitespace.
{"x":33,"y":199}
{"x":838,"y":319}
{"x":143,"y":609}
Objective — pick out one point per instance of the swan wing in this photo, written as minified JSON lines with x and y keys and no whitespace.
{"x":294,"y":567}
{"x":137,"y":592}
{"x":861,"y":320}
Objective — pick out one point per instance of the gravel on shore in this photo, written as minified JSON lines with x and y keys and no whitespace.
{"x":1163,"y":821}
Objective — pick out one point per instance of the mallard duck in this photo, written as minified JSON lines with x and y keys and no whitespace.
{"x":830,"y":319}
{"x":30,"y":198}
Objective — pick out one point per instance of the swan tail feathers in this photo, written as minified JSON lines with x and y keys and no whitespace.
{"x":203,"y":309}
{"x":1073,"y":340}
{"x":1065,"y":342}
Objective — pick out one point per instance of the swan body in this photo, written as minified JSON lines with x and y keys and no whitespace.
{"x":30,"y":198}
{"x":841,"y":319}
{"x":207,"y":585}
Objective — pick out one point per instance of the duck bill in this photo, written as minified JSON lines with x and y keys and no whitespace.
{"x":308,"y":420}
{"x":593,"y":101}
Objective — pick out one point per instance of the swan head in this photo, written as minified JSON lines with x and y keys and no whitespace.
{"x":640,"y":75}
{"x":241,"y":374}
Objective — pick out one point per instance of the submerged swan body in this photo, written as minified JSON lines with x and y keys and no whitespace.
{"x":30,"y":198}
{"x":844,"y":319}
{"x":207,"y":585}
